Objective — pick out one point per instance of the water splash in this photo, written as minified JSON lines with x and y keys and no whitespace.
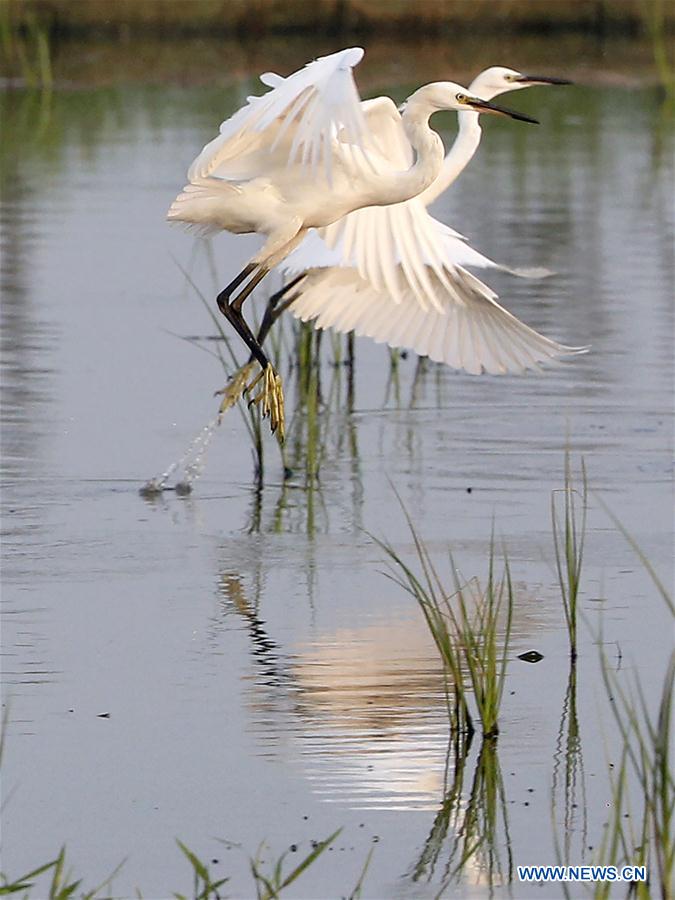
{"x":191,"y":464}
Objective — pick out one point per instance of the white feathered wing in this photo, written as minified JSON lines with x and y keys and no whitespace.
{"x":471,"y":331}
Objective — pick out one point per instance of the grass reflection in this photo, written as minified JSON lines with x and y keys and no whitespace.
{"x":470,"y":836}
{"x":568,"y":786}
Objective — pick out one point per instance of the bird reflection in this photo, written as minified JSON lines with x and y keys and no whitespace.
{"x":363,"y":711}
{"x":264,"y":651}
{"x":363,"y":708}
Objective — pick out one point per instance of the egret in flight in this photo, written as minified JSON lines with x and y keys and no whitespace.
{"x":304,"y":155}
{"x":397,"y":275}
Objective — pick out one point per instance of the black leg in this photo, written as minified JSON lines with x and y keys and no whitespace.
{"x":232,"y":310}
{"x":270,"y":396}
{"x":224,"y":296}
{"x":275,"y":307}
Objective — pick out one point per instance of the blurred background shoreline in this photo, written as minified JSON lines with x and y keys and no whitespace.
{"x":100,"y":42}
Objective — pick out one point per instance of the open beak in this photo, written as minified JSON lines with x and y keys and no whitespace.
{"x":485,"y":106}
{"x":541,"y":79}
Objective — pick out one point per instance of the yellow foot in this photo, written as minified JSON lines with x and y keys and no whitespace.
{"x":235,"y":387}
{"x":270,"y":398}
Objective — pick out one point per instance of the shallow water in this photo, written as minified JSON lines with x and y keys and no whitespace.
{"x":260,"y":678}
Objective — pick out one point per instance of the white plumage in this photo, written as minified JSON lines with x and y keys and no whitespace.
{"x":304,"y":155}
{"x":398,"y":275}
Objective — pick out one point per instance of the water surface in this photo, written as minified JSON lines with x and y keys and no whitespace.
{"x":233,"y":664}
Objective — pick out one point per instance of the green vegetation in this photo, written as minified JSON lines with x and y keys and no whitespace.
{"x":25,"y":48}
{"x":268,"y":884}
{"x":569,"y":531}
{"x":61,"y":886}
{"x":641,"y":829}
{"x":471,"y":629}
{"x":467,"y":628}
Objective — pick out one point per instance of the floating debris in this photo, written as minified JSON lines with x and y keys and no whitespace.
{"x":532,"y":656}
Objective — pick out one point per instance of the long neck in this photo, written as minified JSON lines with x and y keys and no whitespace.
{"x":460,"y":155}
{"x":428,"y":147}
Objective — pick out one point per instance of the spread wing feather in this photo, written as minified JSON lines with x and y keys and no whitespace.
{"x":301,"y":114}
{"x":467,"y":329}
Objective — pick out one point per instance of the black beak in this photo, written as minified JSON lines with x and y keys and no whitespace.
{"x":484,"y":106}
{"x":541,"y":79}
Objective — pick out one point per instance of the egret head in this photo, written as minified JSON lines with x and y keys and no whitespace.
{"x":448,"y":95}
{"x":498,"y":79}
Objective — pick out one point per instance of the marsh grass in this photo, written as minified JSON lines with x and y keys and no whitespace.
{"x":61,"y":885}
{"x":657,"y":29}
{"x":568,"y":518}
{"x":471,"y":629}
{"x":204,"y":887}
{"x":268,"y":883}
{"x":26,"y":50}
{"x":271,"y":881}
{"x":641,"y":830}
{"x":428,"y":591}
{"x":302,"y":354}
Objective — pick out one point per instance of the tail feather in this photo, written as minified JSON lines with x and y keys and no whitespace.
{"x":199,"y":205}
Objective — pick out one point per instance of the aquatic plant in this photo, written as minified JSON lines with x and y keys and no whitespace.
{"x":26,"y":49}
{"x":569,"y":532}
{"x":268,"y":884}
{"x":61,"y":886}
{"x":471,"y":629}
{"x":657,"y":29}
{"x":429,"y":592}
{"x":641,"y":830}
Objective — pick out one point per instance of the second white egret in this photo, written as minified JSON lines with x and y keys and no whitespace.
{"x":398,"y":275}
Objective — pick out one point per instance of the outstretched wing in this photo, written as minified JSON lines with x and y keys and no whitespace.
{"x":466,"y":329}
{"x":300,"y":117}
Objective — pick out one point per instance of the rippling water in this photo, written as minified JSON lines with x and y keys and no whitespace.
{"x":235,"y":665}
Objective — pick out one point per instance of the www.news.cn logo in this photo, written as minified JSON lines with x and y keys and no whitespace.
{"x":582,"y":873}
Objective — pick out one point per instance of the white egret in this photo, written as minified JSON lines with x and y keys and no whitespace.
{"x":302,"y":156}
{"x":397,"y":275}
